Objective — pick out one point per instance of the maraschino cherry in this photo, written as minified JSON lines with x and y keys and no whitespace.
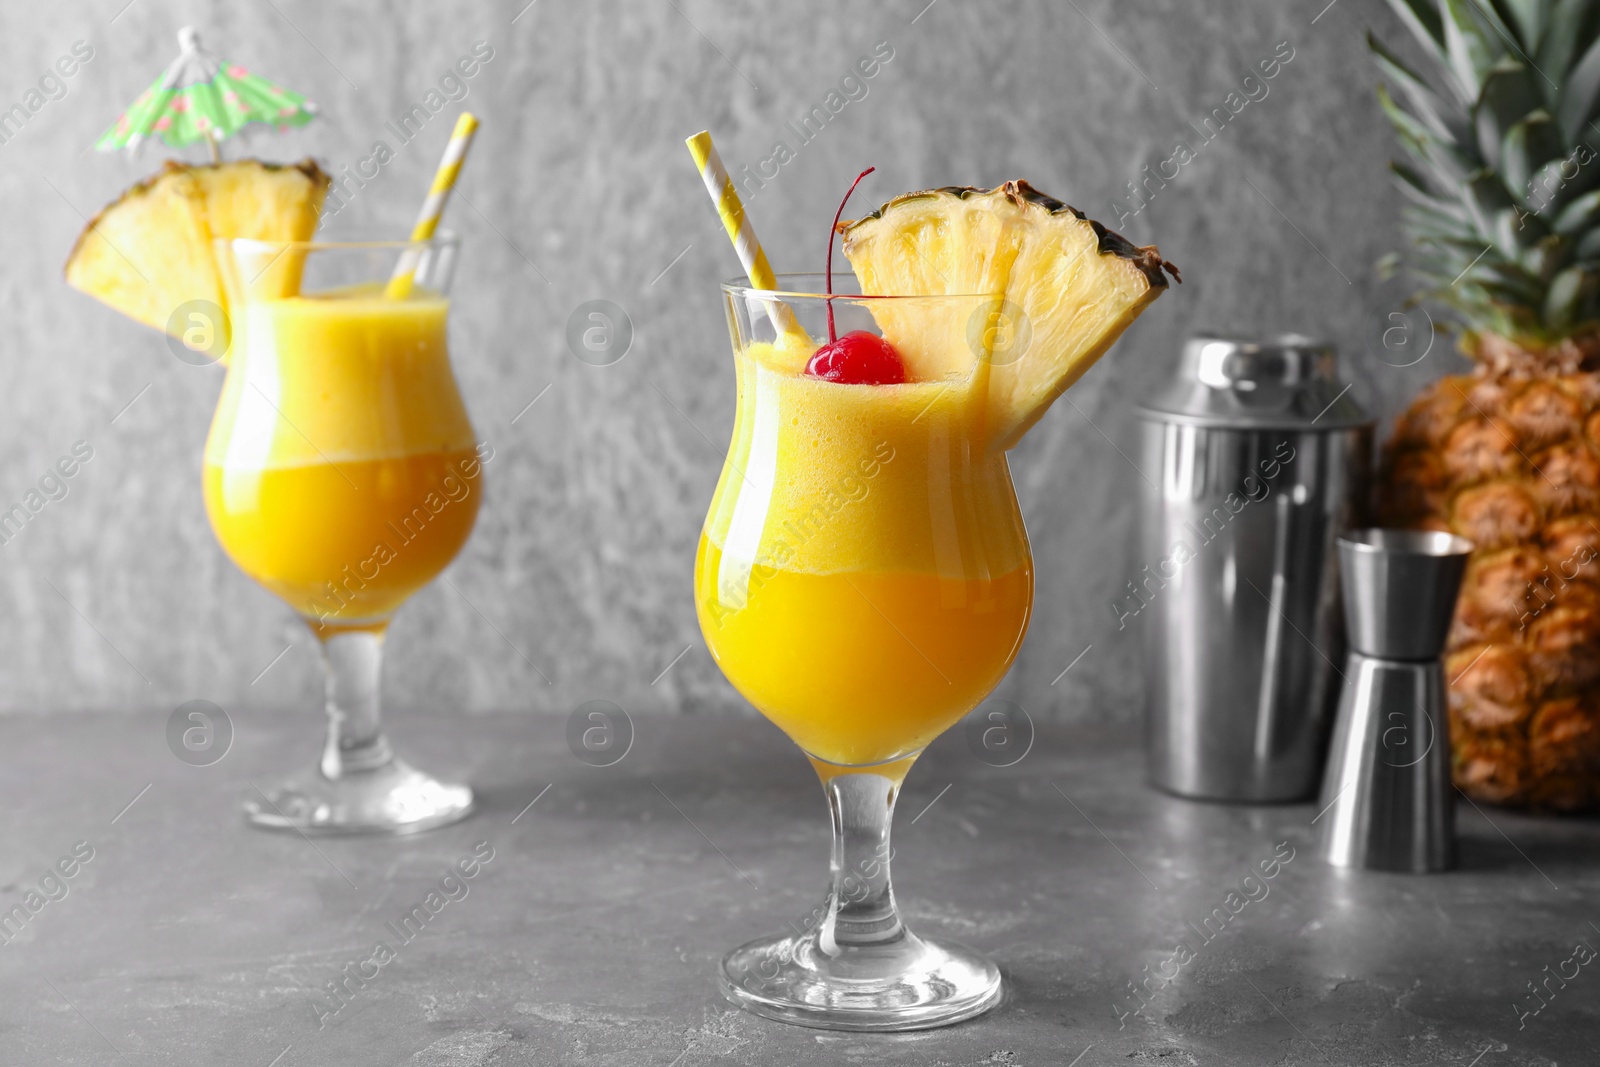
{"x":859,"y":357}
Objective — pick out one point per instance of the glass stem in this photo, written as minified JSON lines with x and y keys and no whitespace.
{"x":353,"y":660}
{"x":860,"y":908}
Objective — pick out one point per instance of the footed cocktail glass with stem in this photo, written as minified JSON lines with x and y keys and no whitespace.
{"x":864,"y":579}
{"x":342,"y":474}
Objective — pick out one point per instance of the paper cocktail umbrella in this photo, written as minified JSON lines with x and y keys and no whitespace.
{"x":201,"y":97}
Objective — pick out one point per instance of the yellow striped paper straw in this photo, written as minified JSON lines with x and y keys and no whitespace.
{"x":444,"y":180}
{"x":740,"y":230}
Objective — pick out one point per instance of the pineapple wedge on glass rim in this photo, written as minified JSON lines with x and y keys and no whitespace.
{"x":1503,"y":215}
{"x":149,"y":252}
{"x":1065,"y":288}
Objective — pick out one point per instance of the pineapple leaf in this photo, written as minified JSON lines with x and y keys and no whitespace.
{"x":1408,"y":126}
{"x":1528,"y":146}
{"x":1426,"y":105}
{"x":1579,"y":214}
{"x":1511,"y":233}
{"x":1532,"y":231}
{"x":1454,"y":254}
{"x":1511,"y":93}
{"x":1579,"y":93}
{"x":1469,"y":48}
{"x":1501,"y":309}
{"x":1426,"y":224}
{"x":1527,"y":16}
{"x":1561,"y":181}
{"x":1416,"y":189}
{"x":1539,"y":264}
{"x":1589,"y":245}
{"x":1413,"y":135}
{"x":1486,"y":200}
{"x":1515,"y":296}
{"x":1490,"y":15}
{"x":1422,"y":19}
{"x":1570,"y":22}
{"x":1435,"y":156}
{"x":1533,"y":268}
{"x":1561,"y":302}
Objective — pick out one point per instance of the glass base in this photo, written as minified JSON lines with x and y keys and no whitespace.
{"x":392,"y":799}
{"x":906,"y":984}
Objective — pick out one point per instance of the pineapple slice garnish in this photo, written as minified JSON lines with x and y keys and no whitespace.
{"x":149,"y":252}
{"x":1062,"y":289}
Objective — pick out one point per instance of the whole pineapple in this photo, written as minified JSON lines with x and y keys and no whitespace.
{"x":1503,"y":185}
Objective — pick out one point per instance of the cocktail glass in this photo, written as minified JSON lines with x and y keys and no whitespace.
{"x":342,"y":474}
{"x":863,"y":579}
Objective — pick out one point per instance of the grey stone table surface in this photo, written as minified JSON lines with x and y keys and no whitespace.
{"x":591,"y":932}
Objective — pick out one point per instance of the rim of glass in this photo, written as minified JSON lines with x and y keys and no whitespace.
{"x":1436,"y":544}
{"x":740,"y":286}
{"x":441,"y":239}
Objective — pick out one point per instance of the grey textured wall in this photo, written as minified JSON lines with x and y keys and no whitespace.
{"x":580,"y":188}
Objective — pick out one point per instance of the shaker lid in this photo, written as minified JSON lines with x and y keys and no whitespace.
{"x":1282,"y":382}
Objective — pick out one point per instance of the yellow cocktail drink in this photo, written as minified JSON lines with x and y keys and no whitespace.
{"x":863,"y":577}
{"x":341,"y":472}
{"x":346,"y":543}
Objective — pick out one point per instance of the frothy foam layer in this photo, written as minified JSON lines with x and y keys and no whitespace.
{"x":825,"y":478}
{"x":343,"y":377}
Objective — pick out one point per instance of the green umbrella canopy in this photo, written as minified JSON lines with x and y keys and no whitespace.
{"x":203,"y":98}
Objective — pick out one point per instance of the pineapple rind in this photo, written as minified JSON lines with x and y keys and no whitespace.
{"x":1513,"y":464}
{"x":1107,"y":241}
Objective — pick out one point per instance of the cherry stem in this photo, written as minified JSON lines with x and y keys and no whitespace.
{"x":833,"y":333}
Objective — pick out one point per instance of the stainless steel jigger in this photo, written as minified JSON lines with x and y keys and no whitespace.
{"x":1386,"y":798}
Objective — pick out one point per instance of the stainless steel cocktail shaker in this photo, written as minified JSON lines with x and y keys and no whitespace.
{"x":1259,"y":459}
